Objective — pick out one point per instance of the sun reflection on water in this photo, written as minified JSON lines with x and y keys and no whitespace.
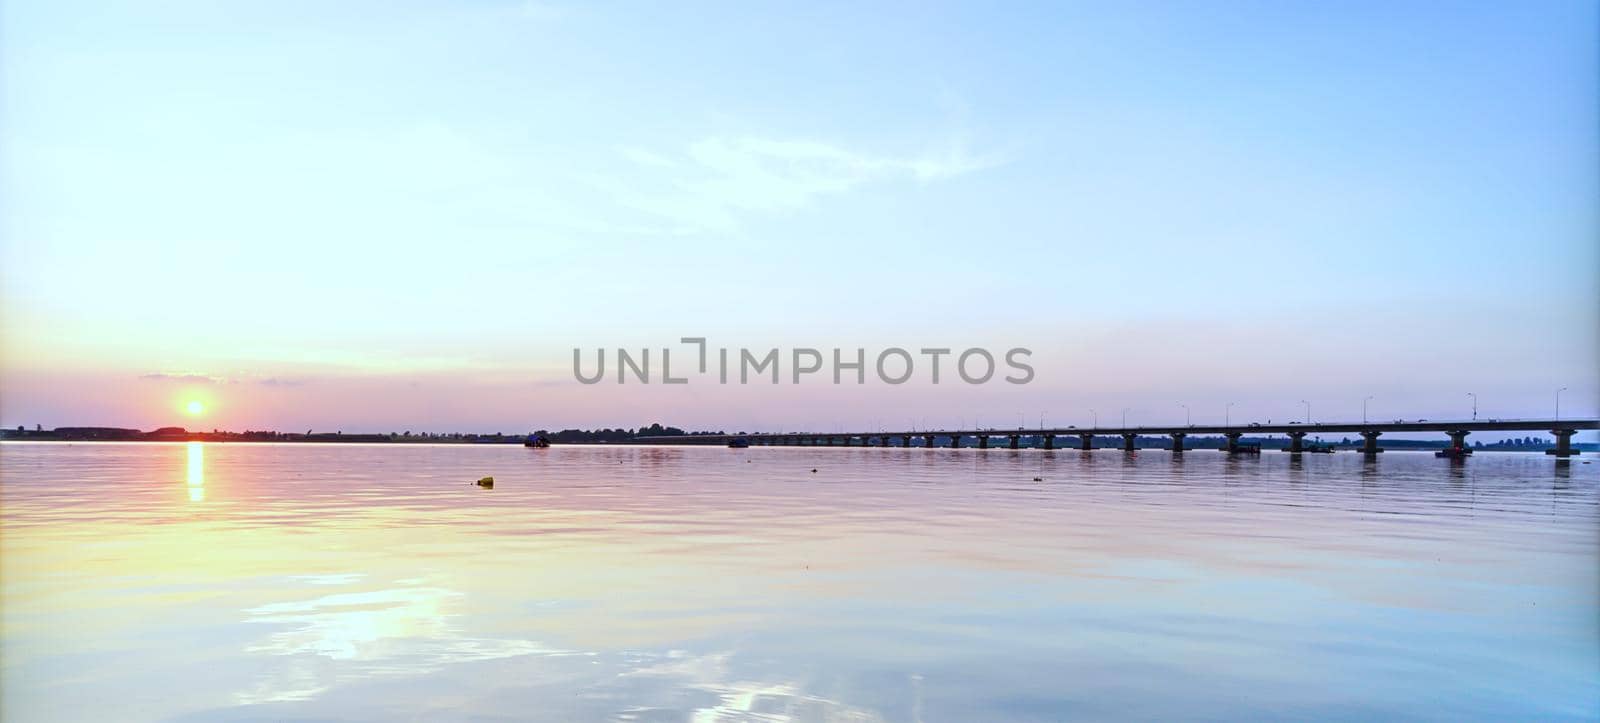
{"x":197,"y":472}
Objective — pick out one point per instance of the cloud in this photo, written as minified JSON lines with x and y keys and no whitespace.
{"x":182,"y":377}
{"x":198,"y":378}
{"x":535,"y":10}
{"x":644,"y":157}
{"x":714,"y":181}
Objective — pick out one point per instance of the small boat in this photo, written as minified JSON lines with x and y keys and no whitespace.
{"x":738,"y":443}
{"x":1244,"y":448}
{"x":536,"y":441}
{"x":1453,"y":453}
{"x":1319,"y":448}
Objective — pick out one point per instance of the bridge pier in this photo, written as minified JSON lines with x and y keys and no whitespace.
{"x":927,"y":441}
{"x":983,"y":441}
{"x":1014,"y":440}
{"x":1232,"y":446}
{"x":1563,"y":443}
{"x":1177,"y":442}
{"x":955,"y":441}
{"x":1049,"y":441}
{"x":1086,"y":442}
{"x":1297,"y":442}
{"x":905,"y":440}
{"x":1458,"y":440}
{"x":1127,"y":441}
{"x":1369,"y":443}
{"x":830,"y":441}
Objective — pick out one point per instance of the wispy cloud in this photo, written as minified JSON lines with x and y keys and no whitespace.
{"x":713,"y":182}
{"x":198,"y":378}
{"x":537,"y":10}
{"x":644,"y":157}
{"x":182,"y":378}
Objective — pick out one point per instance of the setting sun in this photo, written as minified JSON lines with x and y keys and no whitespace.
{"x":194,"y":407}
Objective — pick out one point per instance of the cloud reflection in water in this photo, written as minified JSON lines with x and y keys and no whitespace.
{"x":353,"y":635}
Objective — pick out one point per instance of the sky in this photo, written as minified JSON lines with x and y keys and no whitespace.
{"x":381,"y":216}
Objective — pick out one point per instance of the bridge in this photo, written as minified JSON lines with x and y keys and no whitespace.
{"x":1562,"y":429}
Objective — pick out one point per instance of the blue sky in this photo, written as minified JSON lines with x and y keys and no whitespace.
{"x":407,"y":214}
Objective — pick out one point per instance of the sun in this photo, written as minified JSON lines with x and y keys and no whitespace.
{"x":194,"y":407}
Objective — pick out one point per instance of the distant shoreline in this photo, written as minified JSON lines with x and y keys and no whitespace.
{"x":180,"y":434}
{"x":621,"y":437}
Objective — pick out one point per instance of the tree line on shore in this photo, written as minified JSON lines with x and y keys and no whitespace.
{"x":180,"y":434}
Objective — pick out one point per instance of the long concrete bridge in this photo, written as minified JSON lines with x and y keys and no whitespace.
{"x":1562,"y":429}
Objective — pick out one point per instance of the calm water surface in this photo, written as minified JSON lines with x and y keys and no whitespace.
{"x":352,"y":582}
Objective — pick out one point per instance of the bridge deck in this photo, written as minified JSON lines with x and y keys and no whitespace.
{"x":1442,"y":426}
